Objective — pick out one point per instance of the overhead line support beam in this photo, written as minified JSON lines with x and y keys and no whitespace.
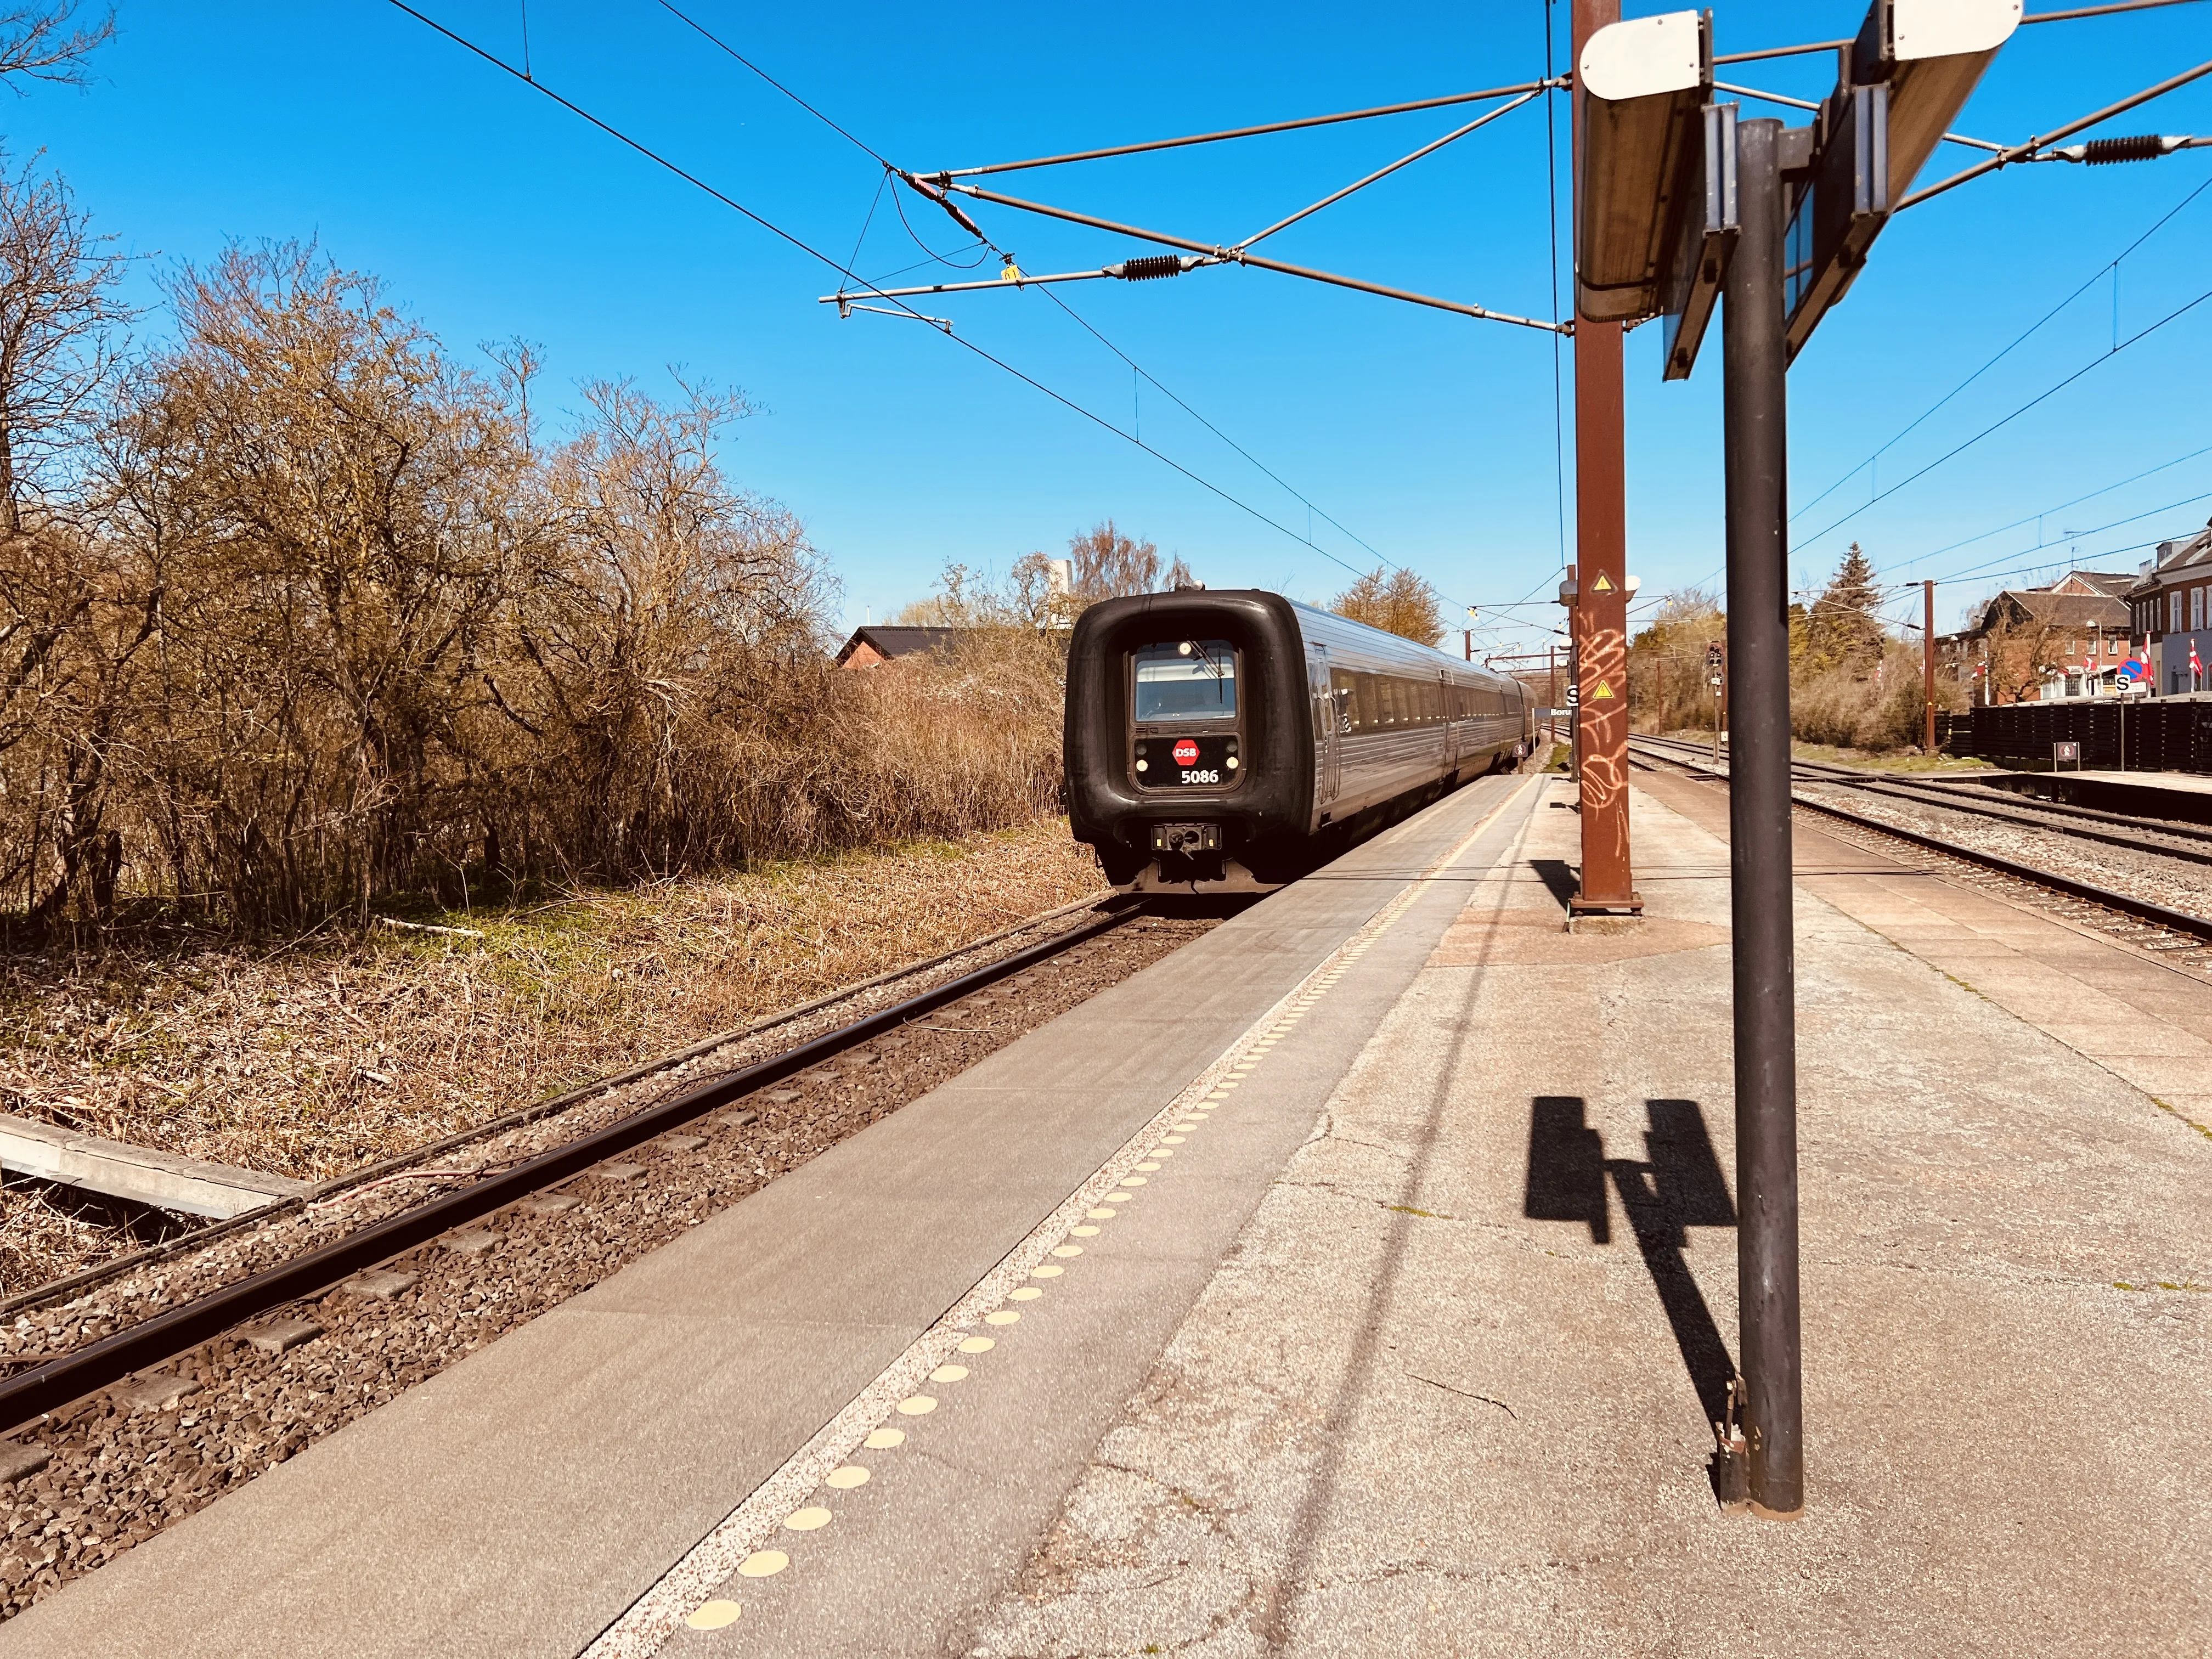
{"x":1236,"y":256}
{"x":2027,"y":151}
{"x":949,"y":174}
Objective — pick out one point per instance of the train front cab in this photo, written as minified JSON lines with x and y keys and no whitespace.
{"x":1189,"y":744}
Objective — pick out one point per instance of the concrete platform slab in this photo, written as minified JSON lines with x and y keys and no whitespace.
{"x":521,"y":1501}
{"x":1450,"y":1394}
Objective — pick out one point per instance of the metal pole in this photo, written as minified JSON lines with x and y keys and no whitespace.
{"x":1928,"y":662}
{"x":1754,"y":413}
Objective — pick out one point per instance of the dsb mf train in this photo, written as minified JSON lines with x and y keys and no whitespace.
{"x":1230,"y":740}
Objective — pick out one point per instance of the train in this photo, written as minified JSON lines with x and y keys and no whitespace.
{"x":1230,"y":740}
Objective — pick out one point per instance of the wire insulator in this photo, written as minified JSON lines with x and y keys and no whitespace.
{"x":2143,"y":147}
{"x":1151,"y":267}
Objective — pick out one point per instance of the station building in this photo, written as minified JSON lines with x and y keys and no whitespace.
{"x":2045,"y":644}
{"x":2168,"y":604}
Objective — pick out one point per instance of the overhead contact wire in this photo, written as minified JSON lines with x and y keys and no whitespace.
{"x":816,"y":254}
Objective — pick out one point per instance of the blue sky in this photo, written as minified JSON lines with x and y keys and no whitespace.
{"x":491,"y":212}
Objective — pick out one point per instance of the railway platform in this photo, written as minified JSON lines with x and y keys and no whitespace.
{"x":1358,"y":1279}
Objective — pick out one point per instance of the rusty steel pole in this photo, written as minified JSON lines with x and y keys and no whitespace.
{"x":1600,"y":605}
{"x":1928,"y":661}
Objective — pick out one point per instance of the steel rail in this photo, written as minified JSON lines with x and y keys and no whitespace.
{"x":2013,"y":809}
{"x":46,"y":1387}
{"x":2177,"y":922}
{"x":184,"y":1243}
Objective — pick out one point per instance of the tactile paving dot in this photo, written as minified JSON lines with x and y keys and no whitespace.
{"x":1101,"y":1215}
{"x":976,"y":1344}
{"x":712,"y":1615}
{"x":809,"y":1519}
{"x":1133,"y":1181}
{"x":1050,"y":1270}
{"x":1148,"y":1166}
{"x":916,"y":1404}
{"x":1083,"y":1232}
{"x":1027,"y":1293}
{"x":1172,"y":1141}
{"x":1067,"y":1249}
{"x":1004,"y":1316}
{"x":949,"y":1374}
{"x":1162,"y":1151}
{"x":761,"y":1564}
{"x":845,"y":1479}
{"x":884,"y":1439}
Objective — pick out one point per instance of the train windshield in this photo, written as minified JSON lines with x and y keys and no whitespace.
{"x":1188,"y":680}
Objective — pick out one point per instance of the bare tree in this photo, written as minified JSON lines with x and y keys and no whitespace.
{"x":59,"y":337}
{"x":665,"y":597}
{"x":46,"y":43}
{"x":1109,"y":564}
{"x":1396,"y":600}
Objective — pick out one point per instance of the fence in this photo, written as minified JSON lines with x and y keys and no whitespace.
{"x":2159,"y":736}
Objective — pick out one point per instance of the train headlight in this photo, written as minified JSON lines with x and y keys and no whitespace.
{"x":1232,"y":762}
{"x":1140,"y":766}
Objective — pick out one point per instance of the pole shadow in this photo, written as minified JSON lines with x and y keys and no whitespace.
{"x":1558,"y":875}
{"x":1675,"y":1186}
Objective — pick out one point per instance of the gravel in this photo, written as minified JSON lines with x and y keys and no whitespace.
{"x":127,"y":1462}
{"x":2177,"y":883}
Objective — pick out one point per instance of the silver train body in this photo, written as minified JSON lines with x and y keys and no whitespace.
{"x":1230,"y":740}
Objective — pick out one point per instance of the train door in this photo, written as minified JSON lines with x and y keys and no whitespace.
{"x":1445,"y":690}
{"x":1322,"y":695}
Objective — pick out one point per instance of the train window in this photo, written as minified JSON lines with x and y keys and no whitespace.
{"x":1187,"y":680}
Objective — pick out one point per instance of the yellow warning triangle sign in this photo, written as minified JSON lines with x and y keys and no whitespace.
{"x":1603,"y":693}
{"x":1601,"y":585}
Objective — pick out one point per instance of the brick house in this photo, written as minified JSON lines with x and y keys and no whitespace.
{"x":2170,"y":602}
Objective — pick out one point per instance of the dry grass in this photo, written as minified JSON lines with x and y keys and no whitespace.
{"x":313,"y":1058}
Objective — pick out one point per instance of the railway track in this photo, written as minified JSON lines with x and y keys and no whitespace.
{"x":156,"y":1391}
{"x":2134,"y":833}
{"x":2175,"y":928}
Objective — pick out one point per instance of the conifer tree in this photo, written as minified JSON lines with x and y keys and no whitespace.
{"x":1842,"y":630}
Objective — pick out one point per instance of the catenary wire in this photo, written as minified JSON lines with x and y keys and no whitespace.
{"x":1235,"y":132}
{"x":2073,"y":536}
{"x":2004,"y":421}
{"x":2032,"y":518}
{"x":1811,"y":46}
{"x":722,"y":45}
{"x":813,"y":252}
{"x":898,"y":201}
{"x":1543,"y":88}
{"x":2027,"y":151}
{"x":2088,"y":283}
{"x":1084,"y":322}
